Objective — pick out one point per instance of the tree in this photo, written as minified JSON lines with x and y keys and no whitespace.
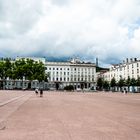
{"x":113,"y":83}
{"x":100,"y":83}
{"x":2,"y":63}
{"x":28,"y":68}
{"x":133,"y":83}
{"x":5,"y":68}
{"x":5,"y":71}
{"x":1,"y":73}
{"x":19,"y":69}
{"x":138,"y":81}
{"x":106,"y":85}
{"x":8,"y":68}
{"x":128,"y":82}
{"x":121,"y":83}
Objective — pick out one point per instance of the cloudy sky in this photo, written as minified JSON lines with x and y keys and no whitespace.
{"x":107,"y":29}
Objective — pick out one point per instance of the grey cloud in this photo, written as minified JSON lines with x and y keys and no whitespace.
{"x":18,"y":17}
{"x":28,"y":28}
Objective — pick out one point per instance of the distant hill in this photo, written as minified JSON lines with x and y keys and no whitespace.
{"x":57,"y":59}
{"x":98,"y":69}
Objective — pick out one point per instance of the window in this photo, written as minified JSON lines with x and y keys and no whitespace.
{"x":137,"y":70}
{"x":49,"y":68}
{"x":53,"y":68}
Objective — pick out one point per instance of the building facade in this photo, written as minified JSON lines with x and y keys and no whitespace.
{"x":81,"y":75}
{"x":129,"y":68}
{"x":76,"y":73}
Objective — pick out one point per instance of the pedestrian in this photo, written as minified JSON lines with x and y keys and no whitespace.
{"x":125,"y":91}
{"x":36,"y":91}
{"x":41,"y":92}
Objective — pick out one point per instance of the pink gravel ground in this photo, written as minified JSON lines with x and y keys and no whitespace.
{"x":71,"y":116}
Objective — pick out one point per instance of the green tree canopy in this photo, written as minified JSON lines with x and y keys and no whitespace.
{"x":100,"y":83}
{"x":138,"y":81}
{"x":5,"y":68}
{"x":133,"y":82}
{"x":106,"y":85}
{"x":113,"y":82}
{"x":128,"y":81}
{"x":121,"y":83}
{"x":2,"y":73}
{"x":30,"y":69}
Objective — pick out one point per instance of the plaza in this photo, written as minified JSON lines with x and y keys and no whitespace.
{"x":69,"y":116}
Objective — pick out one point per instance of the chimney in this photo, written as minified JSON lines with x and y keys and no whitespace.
{"x":96,"y":62}
{"x":135,"y":59}
{"x":126,"y":60}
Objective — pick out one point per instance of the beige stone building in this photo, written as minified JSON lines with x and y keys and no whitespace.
{"x":128,"y":68}
{"x":75,"y":72}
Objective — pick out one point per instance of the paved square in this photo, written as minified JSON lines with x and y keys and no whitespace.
{"x":70,"y":116}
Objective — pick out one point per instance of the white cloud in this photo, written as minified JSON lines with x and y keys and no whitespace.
{"x":87,"y":28}
{"x":134,"y":45}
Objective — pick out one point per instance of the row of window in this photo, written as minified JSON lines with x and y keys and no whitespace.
{"x":74,"y":69}
{"x":78,"y":76}
{"x":128,"y":67}
{"x":72,"y":79}
{"x":131,"y":71}
{"x":57,"y":68}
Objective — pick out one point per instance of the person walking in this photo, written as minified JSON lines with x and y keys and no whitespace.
{"x":125,"y":91}
{"x":36,"y":91}
{"x":41,"y":92}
